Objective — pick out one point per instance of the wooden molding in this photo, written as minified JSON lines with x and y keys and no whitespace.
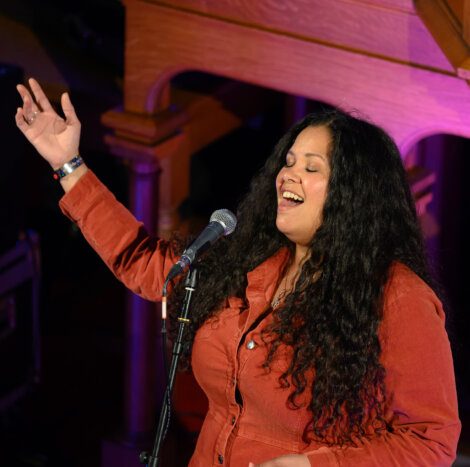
{"x":449,"y":31}
{"x":142,"y":128}
{"x":231,"y":101}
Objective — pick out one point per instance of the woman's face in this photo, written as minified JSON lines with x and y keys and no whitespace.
{"x":302,"y":185}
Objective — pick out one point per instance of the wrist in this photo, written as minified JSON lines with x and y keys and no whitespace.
{"x":58,"y":164}
{"x":69,"y":181}
{"x":68,"y":167}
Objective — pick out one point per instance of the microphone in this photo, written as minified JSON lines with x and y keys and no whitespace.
{"x":222,"y":222}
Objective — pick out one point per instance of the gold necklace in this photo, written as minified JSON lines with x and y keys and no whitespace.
{"x":277,"y":300}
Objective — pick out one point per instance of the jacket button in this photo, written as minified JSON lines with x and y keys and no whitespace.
{"x":234,"y":420}
{"x":250,"y":345}
{"x":221,"y":459}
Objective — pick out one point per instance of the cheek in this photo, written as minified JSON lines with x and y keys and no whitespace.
{"x":317,"y":191}
{"x":317,"y":195}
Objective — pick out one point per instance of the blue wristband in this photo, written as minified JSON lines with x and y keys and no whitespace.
{"x":68,"y":167}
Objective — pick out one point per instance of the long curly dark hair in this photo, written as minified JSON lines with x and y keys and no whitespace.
{"x":331,"y":322}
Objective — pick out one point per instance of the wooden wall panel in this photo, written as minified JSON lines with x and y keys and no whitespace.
{"x":370,"y":27}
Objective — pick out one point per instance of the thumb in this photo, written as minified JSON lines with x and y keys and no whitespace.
{"x":251,"y":464}
{"x":68,"y":109}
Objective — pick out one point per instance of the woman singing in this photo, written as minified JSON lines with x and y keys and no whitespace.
{"x":315,"y":332}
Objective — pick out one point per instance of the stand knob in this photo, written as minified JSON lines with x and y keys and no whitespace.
{"x":144,"y":457}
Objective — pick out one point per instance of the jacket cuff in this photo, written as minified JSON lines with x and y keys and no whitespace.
{"x":86,"y":188}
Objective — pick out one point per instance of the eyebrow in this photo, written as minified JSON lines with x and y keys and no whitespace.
{"x":308,"y":154}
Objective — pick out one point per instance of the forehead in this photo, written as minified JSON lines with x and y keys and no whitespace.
{"x":313,"y":139}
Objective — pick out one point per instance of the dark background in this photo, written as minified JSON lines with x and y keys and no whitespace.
{"x":78,"y":402}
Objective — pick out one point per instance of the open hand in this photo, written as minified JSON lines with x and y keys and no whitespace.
{"x":291,"y":460}
{"x":56,"y":139}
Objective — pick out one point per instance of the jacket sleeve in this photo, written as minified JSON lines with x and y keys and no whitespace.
{"x":421,"y":385}
{"x":141,"y":262}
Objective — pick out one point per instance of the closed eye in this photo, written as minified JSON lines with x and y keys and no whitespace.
{"x":290,"y":160}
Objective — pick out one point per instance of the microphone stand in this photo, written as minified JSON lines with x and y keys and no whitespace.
{"x":164,"y":420}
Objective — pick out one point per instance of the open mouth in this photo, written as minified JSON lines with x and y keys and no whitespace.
{"x":291,"y":199}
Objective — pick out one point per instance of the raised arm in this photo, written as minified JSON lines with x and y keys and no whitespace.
{"x":136,"y":259}
{"x":56,"y":139}
{"x":140,"y":261}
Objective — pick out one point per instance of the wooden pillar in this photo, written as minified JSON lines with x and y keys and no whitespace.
{"x":144,"y":372}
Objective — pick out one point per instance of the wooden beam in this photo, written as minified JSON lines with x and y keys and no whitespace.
{"x":389,"y":29}
{"x":466,"y":21}
{"x":409,"y":102}
{"x":448,"y":32}
{"x":457,"y":7}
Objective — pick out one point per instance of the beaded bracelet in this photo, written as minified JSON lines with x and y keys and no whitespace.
{"x":68,"y":167}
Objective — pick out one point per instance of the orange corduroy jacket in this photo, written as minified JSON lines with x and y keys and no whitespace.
{"x":257,"y":425}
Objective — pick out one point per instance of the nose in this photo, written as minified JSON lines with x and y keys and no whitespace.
{"x":289,"y":175}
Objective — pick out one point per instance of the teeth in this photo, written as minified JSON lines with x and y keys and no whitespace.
{"x":290,"y":195}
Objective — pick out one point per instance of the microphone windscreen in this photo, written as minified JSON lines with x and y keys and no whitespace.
{"x":226,"y":218}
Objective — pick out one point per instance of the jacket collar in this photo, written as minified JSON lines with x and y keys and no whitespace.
{"x":263,"y":280}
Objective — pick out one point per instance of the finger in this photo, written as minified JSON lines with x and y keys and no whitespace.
{"x":23,"y":91}
{"x":28,"y":102}
{"x":29,"y":107}
{"x":68,"y":109}
{"x":41,"y":98}
{"x":21,"y":121}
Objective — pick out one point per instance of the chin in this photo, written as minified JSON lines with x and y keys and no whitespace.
{"x":280,"y":225}
{"x":298,"y":238}
{"x":290,"y":235}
